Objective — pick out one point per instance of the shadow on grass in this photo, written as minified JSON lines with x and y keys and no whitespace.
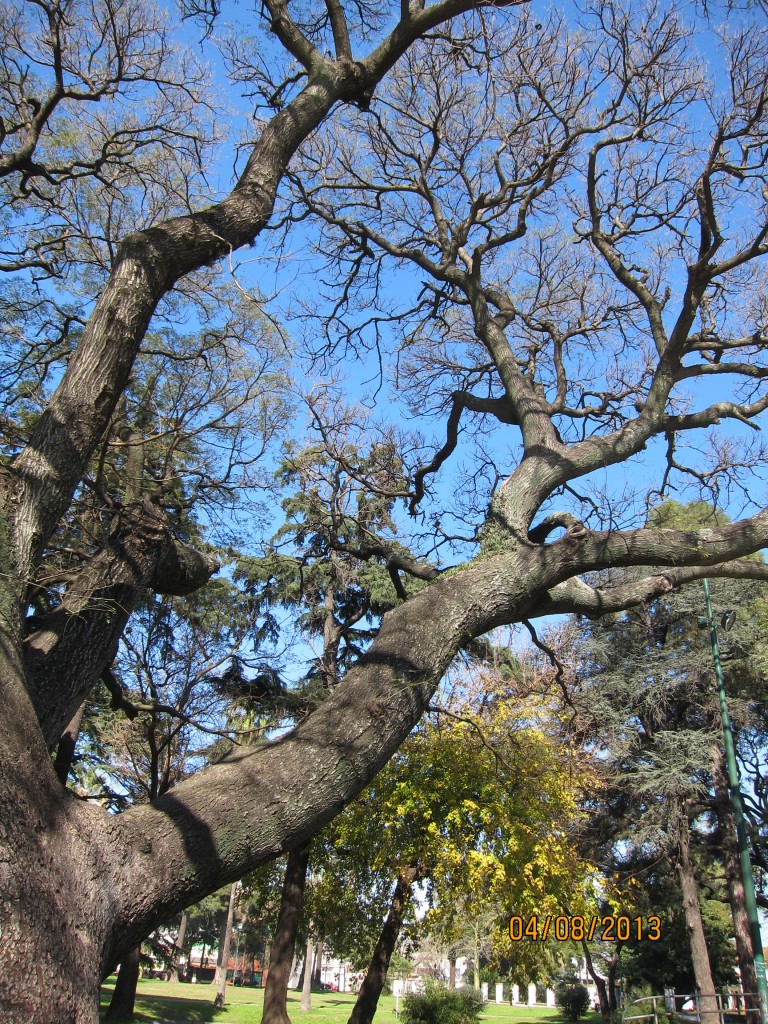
{"x":152,"y":1008}
{"x":522,"y":1018}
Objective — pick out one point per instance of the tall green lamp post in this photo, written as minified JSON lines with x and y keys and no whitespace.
{"x":738,"y":812}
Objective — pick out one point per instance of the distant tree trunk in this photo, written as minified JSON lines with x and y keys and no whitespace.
{"x":476,"y":958}
{"x":726,"y":841}
{"x":241,"y":958}
{"x":226,"y":927}
{"x":451,"y":972}
{"x":613,"y":963}
{"x":306,"y":988}
{"x":373,"y":982}
{"x":284,"y":939}
{"x":699,"y":955}
{"x":221,"y":994}
{"x":178,"y":946}
{"x":600,"y":984}
{"x":216,"y":979}
{"x":124,"y":995}
{"x":317,"y":974}
{"x":65,"y":752}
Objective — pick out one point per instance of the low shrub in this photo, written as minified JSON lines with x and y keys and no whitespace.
{"x":573,"y":1000}
{"x":639,"y":1004}
{"x":439,"y":1006}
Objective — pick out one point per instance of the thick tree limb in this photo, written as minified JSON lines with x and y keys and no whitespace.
{"x":244,"y":811}
{"x":579,"y":598}
{"x":394,"y":559}
{"x":339,"y":27}
{"x":348,"y":738}
{"x":71,"y":647}
{"x":148,"y":263}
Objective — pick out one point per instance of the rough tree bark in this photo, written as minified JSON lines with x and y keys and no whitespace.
{"x":65,"y":752}
{"x":77,"y":641}
{"x":376,"y":975}
{"x":284,"y":940}
{"x":165,"y":855}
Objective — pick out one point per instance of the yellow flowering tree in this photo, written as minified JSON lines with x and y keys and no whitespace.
{"x":480,"y":805}
{"x":523,"y":860}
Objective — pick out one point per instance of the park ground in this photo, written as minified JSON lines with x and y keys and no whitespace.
{"x":175,"y":1001}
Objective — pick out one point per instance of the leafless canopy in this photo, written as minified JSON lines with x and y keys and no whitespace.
{"x":583,"y":207}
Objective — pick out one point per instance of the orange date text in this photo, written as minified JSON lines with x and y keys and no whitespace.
{"x":563,"y":928}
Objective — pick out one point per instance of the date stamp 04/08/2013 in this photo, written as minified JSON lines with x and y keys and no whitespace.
{"x":563,"y":928}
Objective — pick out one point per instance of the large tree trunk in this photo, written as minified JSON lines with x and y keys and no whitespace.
{"x":124,"y":995}
{"x":699,"y":954}
{"x":284,"y":939}
{"x":154,"y":860}
{"x":80,"y":888}
{"x":373,"y":982}
{"x":50,"y":870}
{"x":76,"y":642}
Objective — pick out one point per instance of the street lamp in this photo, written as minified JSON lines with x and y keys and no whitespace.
{"x":738,"y":810}
{"x":239,"y":930}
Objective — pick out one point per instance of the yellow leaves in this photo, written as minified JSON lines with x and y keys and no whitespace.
{"x":485,"y":798}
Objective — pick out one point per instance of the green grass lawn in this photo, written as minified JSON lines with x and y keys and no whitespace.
{"x":164,"y":1000}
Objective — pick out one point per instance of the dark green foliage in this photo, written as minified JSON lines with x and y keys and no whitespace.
{"x":573,"y":1000}
{"x":666,"y":963}
{"x":439,"y":1006}
{"x":639,"y":1004}
{"x":320,"y":562}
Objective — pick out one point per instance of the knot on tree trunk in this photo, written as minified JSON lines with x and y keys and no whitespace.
{"x":574,"y":527}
